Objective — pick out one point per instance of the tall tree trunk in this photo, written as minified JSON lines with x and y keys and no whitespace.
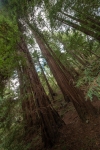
{"x":84,"y":108}
{"x":52,"y":93}
{"x":80,"y":28}
{"x":88,"y":22}
{"x":91,"y":18}
{"x":49,"y":118}
{"x":30,"y":117}
{"x":74,"y":72}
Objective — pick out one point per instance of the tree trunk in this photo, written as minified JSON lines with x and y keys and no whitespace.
{"x":91,"y":18}
{"x":80,"y":28}
{"x":28,"y":106}
{"x":52,"y":93}
{"x":88,"y":22}
{"x":49,"y":118}
{"x":65,"y":84}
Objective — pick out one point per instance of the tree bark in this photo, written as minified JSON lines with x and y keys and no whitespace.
{"x":65,"y":84}
{"x":30,"y":117}
{"x":50,"y":121}
{"x":93,"y":19}
{"x":88,"y":22}
{"x":80,"y":28}
{"x":52,"y":93}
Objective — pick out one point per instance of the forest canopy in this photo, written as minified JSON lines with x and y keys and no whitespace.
{"x":46,"y":47}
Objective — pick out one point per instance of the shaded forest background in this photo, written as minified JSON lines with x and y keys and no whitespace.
{"x":49,"y":58}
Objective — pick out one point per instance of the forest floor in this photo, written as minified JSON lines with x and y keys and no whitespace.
{"x":75,"y":135}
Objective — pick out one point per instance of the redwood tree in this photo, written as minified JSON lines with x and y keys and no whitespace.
{"x":84,"y":108}
{"x":50,"y":121}
{"x":52,"y":93}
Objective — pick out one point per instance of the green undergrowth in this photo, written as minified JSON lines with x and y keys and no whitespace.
{"x":89,"y":80}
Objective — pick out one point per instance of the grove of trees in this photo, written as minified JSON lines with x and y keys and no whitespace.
{"x":45,"y":45}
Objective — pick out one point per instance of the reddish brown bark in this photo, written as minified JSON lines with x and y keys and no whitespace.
{"x":52,"y":93}
{"x":80,"y":28}
{"x":27,"y":99}
{"x":50,"y":121}
{"x":88,"y":21}
{"x":84,"y":108}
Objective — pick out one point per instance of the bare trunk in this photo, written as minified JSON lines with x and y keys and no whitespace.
{"x":26,"y":95}
{"x":65,"y":84}
{"x":52,"y":93}
{"x":88,"y":22}
{"x":49,"y":118}
{"x":91,"y":18}
{"x":80,"y":28}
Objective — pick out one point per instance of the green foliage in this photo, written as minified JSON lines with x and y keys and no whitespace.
{"x":11,"y":130}
{"x":77,"y":52}
{"x":8,"y":42}
{"x":90,"y":79}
